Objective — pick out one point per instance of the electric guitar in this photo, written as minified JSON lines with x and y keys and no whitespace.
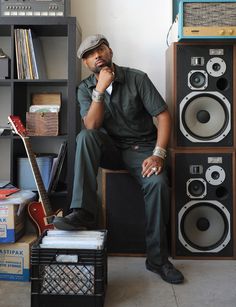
{"x":40,"y":212}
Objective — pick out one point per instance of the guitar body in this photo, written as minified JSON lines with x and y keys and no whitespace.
{"x":39,"y":217}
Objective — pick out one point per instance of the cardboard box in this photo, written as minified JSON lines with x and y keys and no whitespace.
{"x":43,"y":123}
{"x":15,"y":259}
{"x":12,"y":215}
{"x":11,"y":224}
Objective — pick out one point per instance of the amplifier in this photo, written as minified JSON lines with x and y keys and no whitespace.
{"x":41,"y":8}
{"x":206,"y":19}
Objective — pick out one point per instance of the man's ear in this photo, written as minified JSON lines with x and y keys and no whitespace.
{"x":111,"y":51}
{"x":85,"y":62}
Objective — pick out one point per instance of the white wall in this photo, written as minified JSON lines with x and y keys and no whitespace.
{"x":136,"y":30}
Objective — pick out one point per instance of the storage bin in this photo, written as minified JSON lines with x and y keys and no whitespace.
{"x":44,"y":122}
{"x":26,"y":179}
{"x":65,"y":277}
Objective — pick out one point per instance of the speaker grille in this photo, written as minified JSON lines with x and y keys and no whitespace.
{"x":209,"y":14}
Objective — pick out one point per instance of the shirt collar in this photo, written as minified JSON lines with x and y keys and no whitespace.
{"x":119,"y":77}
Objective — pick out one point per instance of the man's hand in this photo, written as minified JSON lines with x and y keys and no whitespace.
{"x":152,"y":165}
{"x":106,"y":76}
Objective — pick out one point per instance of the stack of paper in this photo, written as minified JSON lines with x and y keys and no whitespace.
{"x":73,"y":239}
{"x":20,"y":198}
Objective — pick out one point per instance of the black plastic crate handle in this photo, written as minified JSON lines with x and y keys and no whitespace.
{"x":63,"y":258}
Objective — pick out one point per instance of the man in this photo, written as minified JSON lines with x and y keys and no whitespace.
{"x":118,"y":105}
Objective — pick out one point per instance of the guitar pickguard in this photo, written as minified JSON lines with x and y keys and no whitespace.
{"x":42,"y":221}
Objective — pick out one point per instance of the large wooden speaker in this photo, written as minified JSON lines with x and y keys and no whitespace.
{"x":203,"y":204}
{"x":123,"y":211}
{"x":200,"y":82}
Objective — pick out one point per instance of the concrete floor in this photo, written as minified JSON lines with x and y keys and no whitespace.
{"x":209,"y":283}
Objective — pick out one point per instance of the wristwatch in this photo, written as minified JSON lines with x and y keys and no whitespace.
{"x":97,"y":97}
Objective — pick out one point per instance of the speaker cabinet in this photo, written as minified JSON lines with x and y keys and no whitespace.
{"x":203,"y":205}
{"x":200,"y":84}
{"x":123,"y":213}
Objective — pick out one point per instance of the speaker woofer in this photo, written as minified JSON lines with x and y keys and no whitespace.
{"x":197,"y":79}
{"x":204,"y":226}
{"x":196,"y":188}
{"x":205,"y":117}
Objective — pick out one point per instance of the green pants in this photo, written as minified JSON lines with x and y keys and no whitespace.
{"x":95,"y":149}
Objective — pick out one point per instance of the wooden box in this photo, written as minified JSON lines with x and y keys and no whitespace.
{"x":43,"y":122}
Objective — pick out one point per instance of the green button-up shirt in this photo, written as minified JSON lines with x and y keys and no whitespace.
{"x":129,"y":109}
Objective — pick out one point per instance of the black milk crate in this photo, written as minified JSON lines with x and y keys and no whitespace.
{"x":68,"y":277}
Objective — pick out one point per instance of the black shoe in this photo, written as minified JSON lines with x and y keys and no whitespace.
{"x":77,"y":220}
{"x":167,"y":272}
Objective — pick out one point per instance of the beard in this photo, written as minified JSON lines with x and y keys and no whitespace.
{"x":97,"y":69}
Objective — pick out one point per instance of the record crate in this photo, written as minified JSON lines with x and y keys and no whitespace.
{"x":68,"y":276}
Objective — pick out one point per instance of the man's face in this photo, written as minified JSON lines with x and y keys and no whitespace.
{"x":98,"y":58}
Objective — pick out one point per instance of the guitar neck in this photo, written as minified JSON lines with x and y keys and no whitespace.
{"x":37,"y":176}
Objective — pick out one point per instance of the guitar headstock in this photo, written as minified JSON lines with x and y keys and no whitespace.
{"x":17,"y":125}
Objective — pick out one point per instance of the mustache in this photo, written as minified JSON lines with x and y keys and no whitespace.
{"x":100,"y":60}
{"x":97,"y":69}
{"x":106,"y":63}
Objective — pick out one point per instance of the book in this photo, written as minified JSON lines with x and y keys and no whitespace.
{"x":39,"y":55}
{"x":30,"y":60}
{"x":4,"y":193}
{"x":4,"y":183}
{"x":17,"y":54}
{"x":32,"y":53}
{"x":57,"y":167}
{"x":28,"y":57}
{"x":19,"y":50}
{"x":23,"y":55}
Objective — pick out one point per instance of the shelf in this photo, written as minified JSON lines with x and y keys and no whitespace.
{"x":5,"y":30}
{"x":5,"y":82}
{"x":59,"y":39}
{"x":43,"y":81}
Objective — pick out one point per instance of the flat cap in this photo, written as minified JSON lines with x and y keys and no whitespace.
{"x":90,"y":43}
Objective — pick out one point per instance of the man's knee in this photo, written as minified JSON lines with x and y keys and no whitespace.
{"x":86,"y":134}
{"x":159,"y":182}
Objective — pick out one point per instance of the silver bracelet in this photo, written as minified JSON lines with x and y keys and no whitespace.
{"x":159,"y":152}
{"x":97,"y":97}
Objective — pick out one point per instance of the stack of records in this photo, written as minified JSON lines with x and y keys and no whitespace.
{"x":84,"y":239}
